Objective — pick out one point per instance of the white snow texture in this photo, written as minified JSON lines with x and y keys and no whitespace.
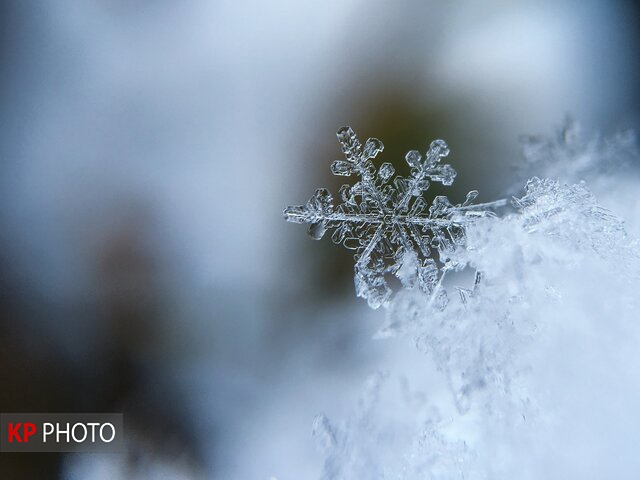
{"x":533,"y":370}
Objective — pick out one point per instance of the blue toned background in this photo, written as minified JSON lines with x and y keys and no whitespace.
{"x":147,"y":151}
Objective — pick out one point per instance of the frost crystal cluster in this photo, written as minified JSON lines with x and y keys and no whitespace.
{"x":504,"y":381}
{"x":572,"y":156}
{"x":387,"y":220}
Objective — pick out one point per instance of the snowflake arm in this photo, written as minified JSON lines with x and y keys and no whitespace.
{"x":390,"y":224}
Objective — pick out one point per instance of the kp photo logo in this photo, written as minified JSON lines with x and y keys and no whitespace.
{"x":61,"y":432}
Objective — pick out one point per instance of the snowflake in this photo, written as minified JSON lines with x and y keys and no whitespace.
{"x":388,"y":223}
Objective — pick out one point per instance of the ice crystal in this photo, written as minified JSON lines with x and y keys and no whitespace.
{"x":389,"y":224}
{"x":559,"y":292}
{"x":513,"y":362}
{"x":571,"y":156}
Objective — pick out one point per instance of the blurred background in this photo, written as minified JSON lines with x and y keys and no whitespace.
{"x":148,"y":149}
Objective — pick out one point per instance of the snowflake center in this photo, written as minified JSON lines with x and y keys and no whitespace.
{"x":387,"y":221}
